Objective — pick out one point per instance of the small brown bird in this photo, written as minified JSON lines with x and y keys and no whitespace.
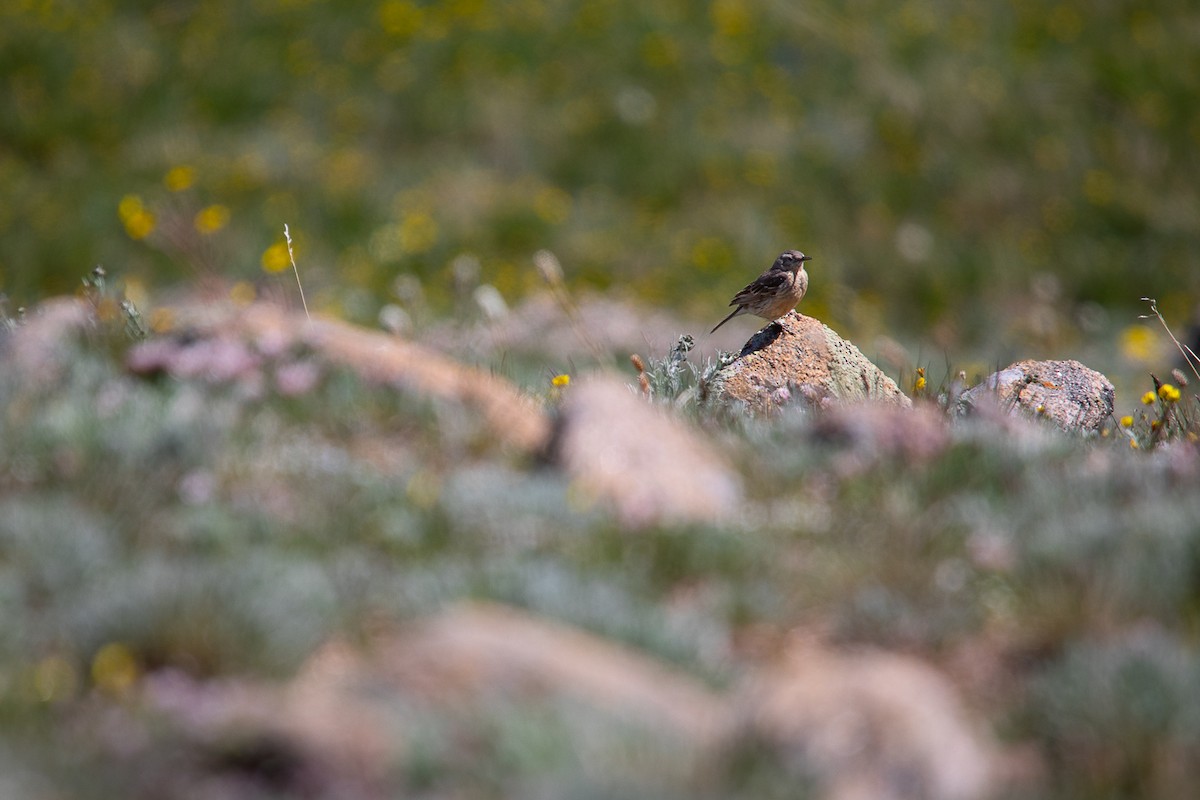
{"x":775,"y":292}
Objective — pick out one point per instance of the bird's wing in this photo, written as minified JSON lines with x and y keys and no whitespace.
{"x":767,"y":283}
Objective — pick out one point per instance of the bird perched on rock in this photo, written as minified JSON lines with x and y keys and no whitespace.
{"x":775,"y":292}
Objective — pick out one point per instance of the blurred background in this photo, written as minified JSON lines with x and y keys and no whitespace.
{"x":976,"y":182}
{"x":196,"y":569}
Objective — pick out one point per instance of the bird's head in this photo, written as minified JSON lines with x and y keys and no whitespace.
{"x":791,"y":261}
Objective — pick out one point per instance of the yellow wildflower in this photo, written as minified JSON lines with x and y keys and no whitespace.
{"x":212,"y":219}
{"x":180,"y":178}
{"x":418,"y":232}
{"x":275,"y":258}
{"x":242,"y":293}
{"x":1148,"y":399}
{"x":138,"y":221}
{"x":162,"y":320}
{"x":560,"y":381}
{"x":1168,"y":393}
{"x":114,"y":669}
{"x":1127,"y":421}
{"x":130,"y":204}
{"x":401,"y":18}
{"x":140,"y":226}
{"x":1139,"y":344}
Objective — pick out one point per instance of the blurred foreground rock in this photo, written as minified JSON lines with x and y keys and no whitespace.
{"x":799,"y":358}
{"x":1073,"y":396}
{"x":354,"y":714}
{"x":219,"y":340}
{"x":479,"y":652}
{"x":650,"y":467}
{"x":869,"y":726}
{"x":868,"y":432}
{"x":39,"y":347}
{"x":618,"y":449}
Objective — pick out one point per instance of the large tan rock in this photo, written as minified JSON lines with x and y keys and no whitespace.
{"x":868,"y":434}
{"x":354,"y":711}
{"x":867,"y":726}
{"x":222,"y":340}
{"x":1072,"y":396}
{"x":481,"y":651}
{"x":800,"y":358}
{"x":645,"y":464}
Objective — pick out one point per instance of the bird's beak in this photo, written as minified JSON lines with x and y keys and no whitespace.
{"x":806,"y":258}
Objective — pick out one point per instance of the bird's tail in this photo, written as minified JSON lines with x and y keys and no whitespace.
{"x":732,"y":314}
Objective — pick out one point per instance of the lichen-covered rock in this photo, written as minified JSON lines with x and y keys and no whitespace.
{"x":1074,"y":397}
{"x":798,"y":357}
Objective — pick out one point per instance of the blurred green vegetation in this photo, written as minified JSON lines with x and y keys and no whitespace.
{"x":947,"y":164}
